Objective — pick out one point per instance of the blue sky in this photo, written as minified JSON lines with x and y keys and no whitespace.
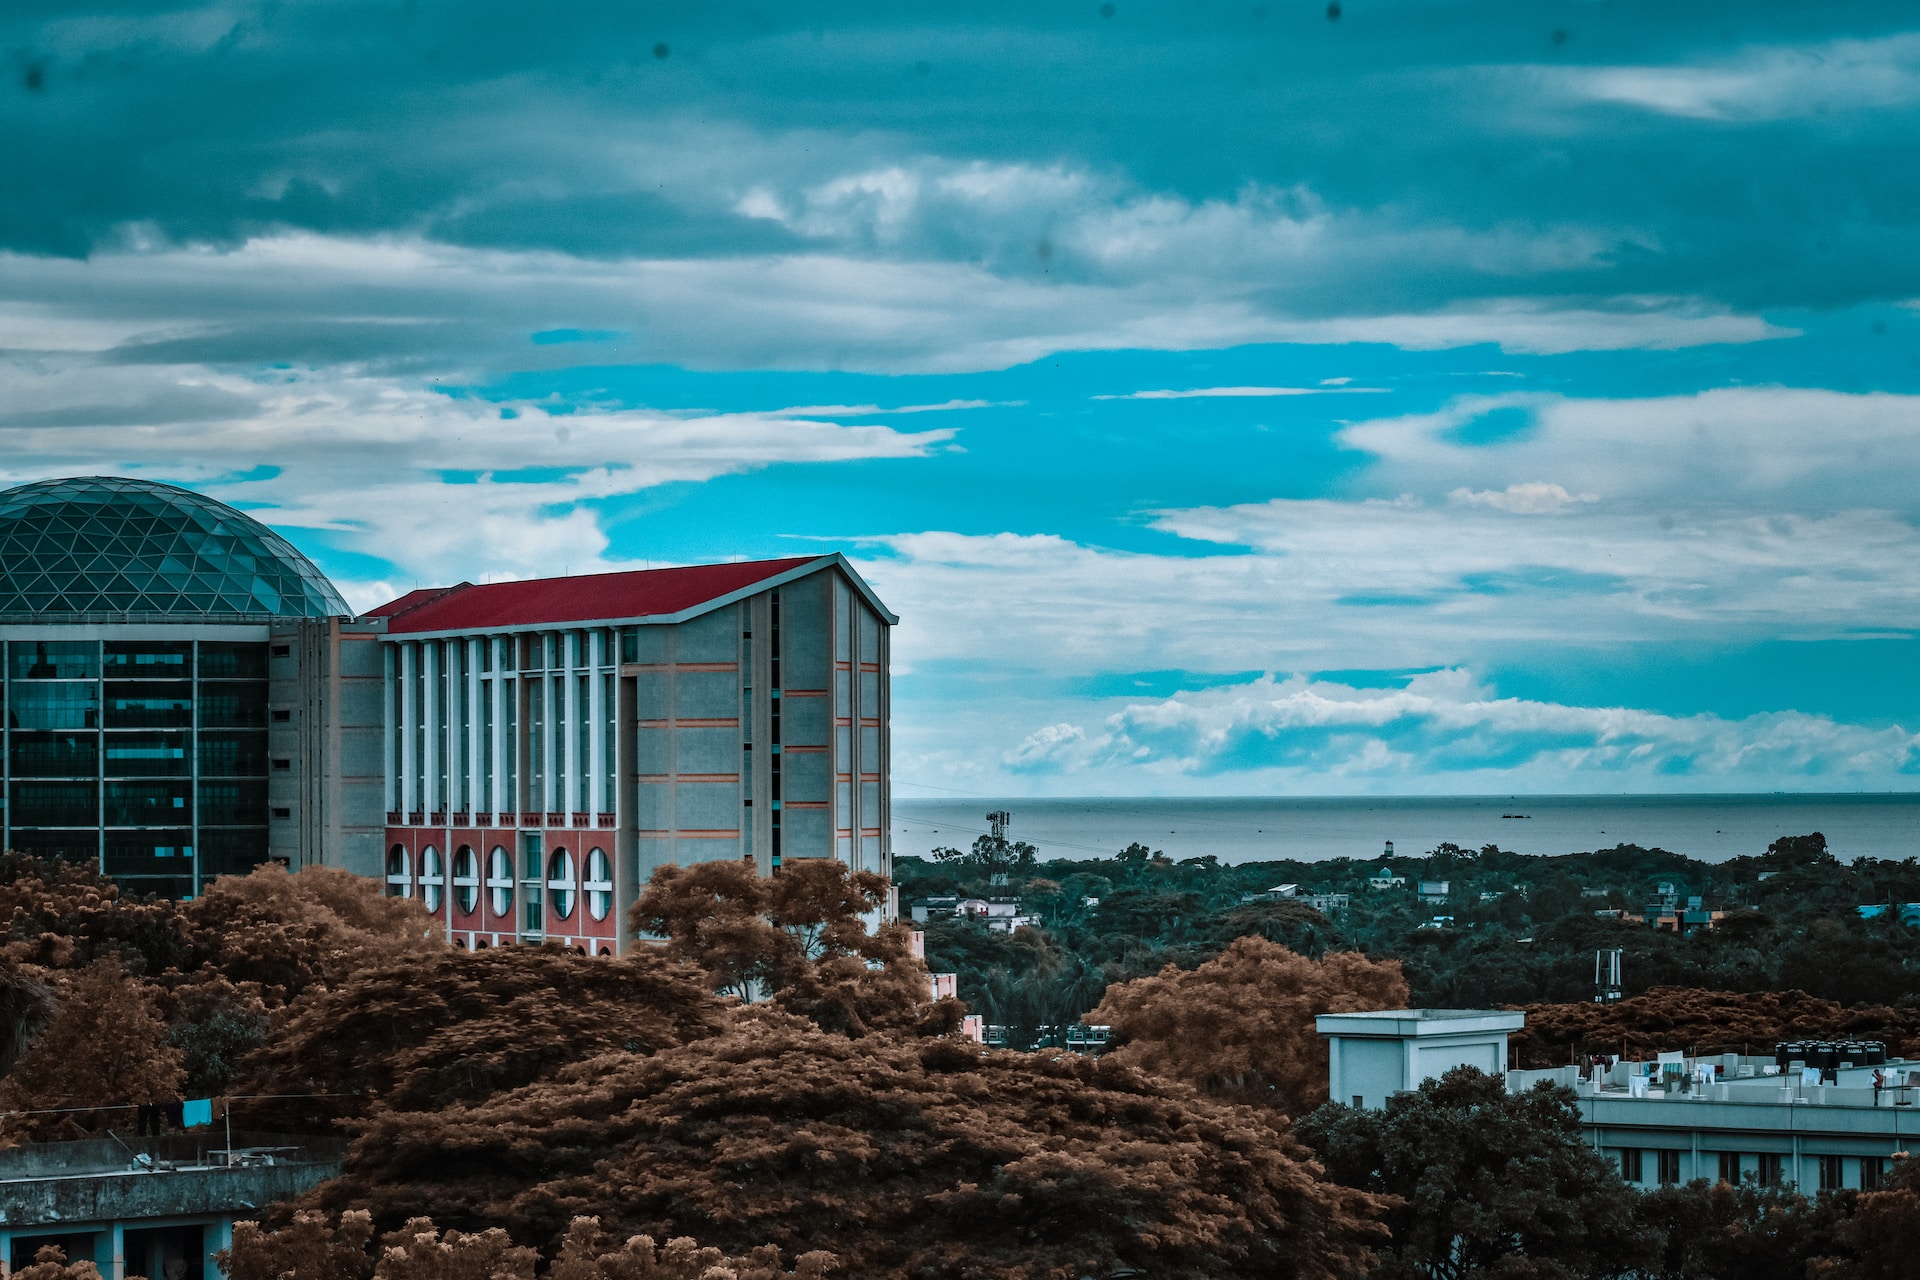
{"x":1232,"y":398}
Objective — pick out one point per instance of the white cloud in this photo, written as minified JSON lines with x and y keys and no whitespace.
{"x":1750,"y":448}
{"x":1763,"y":83}
{"x":1238,"y":393}
{"x":1281,"y":732}
{"x":1531,"y":499}
{"x":366,"y":460}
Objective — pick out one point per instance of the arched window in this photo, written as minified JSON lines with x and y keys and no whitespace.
{"x":466,"y":879}
{"x":433,"y":878}
{"x":606,"y":951}
{"x":561,"y":883}
{"x":399,"y":873}
{"x":481,"y":944}
{"x":499,"y":881}
{"x":599,"y":884}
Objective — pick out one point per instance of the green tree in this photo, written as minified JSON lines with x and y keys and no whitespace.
{"x":1487,"y":1182}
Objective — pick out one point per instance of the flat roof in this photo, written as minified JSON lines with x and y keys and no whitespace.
{"x":1401,"y":1023}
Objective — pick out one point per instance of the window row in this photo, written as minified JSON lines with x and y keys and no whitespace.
{"x":135,"y":659}
{"x":83,"y":753}
{"x":562,"y":882}
{"x":1768,"y":1168}
{"x":136,"y":804}
{"x":127,"y":704}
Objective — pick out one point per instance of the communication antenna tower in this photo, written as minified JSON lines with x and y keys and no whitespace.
{"x":998,"y":820}
{"x":1606,"y":976}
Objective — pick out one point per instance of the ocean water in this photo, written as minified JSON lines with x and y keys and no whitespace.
{"x":1236,"y":829}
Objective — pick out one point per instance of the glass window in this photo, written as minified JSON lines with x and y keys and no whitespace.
{"x":1829,"y":1173}
{"x":399,"y":873}
{"x":233,"y":753}
{"x":74,"y":846}
{"x":233,"y":803}
{"x":233,"y":706}
{"x":148,"y":659}
{"x":1630,"y":1164}
{"x":147,"y":755}
{"x":560,"y":880}
{"x":499,"y":881}
{"x":54,"y":755}
{"x":148,"y":853}
{"x":66,"y":705}
{"x":466,"y":879}
{"x":1871,"y":1168}
{"x":220,"y":660}
{"x":54,"y":804}
{"x":599,"y":884}
{"x":149,"y":705}
{"x":1730,"y":1168}
{"x":232,"y":850}
{"x":433,"y":881}
{"x":1669,"y":1168}
{"x":147,"y":804}
{"x":54,"y":659}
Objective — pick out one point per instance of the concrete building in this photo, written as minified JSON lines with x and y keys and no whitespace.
{"x":137,"y":620}
{"x":1372,"y":1056}
{"x":548,"y":744}
{"x":160,"y":1209}
{"x":1730,"y":1118}
{"x":1775,"y":1121}
{"x":187,"y":696}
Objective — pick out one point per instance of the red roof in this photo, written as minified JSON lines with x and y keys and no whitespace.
{"x":592,"y":597}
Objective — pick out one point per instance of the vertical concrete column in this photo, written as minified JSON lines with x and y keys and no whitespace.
{"x":116,"y":1268}
{"x":409,"y":713}
{"x":598,"y":745}
{"x":6,"y":1253}
{"x":571,"y":784}
{"x":389,"y":773}
{"x":433,"y":695}
{"x":478,"y":795}
{"x":497,"y":696}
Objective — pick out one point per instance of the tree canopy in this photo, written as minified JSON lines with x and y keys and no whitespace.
{"x":899,"y":1155}
{"x":1485,"y":1182}
{"x":1242,"y":1025}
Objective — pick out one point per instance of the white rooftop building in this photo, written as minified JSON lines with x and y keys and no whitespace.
{"x":1372,"y":1056}
{"x":1818,"y":1116}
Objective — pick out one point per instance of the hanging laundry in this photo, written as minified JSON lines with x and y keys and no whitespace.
{"x":196,"y":1111}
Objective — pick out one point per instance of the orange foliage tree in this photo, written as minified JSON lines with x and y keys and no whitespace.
{"x":315,"y":1247}
{"x":798,"y":937}
{"x":898,"y":1155}
{"x":1667,"y":1018}
{"x":1242,"y":1024}
{"x":105,"y":1046}
{"x":455,"y":1026}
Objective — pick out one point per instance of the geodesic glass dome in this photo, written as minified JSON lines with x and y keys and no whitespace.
{"x":108,"y":547}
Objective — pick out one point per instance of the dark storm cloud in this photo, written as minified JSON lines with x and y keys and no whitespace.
{"x":1436,"y":137}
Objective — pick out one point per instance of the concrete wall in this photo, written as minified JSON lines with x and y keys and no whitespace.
{"x":325,"y":738}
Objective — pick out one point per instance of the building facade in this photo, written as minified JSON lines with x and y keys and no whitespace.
{"x":137,"y":620}
{"x":187,"y":696}
{"x":1723,"y":1117}
{"x":548,"y":744}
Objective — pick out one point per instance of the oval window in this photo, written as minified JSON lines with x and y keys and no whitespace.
{"x":433,"y":880}
{"x":499,"y":881}
{"x":399,"y":873}
{"x":466,"y":879}
{"x":561,"y":883}
{"x":599,"y":884}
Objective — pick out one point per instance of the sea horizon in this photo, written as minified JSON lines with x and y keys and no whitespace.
{"x":1710,"y":826}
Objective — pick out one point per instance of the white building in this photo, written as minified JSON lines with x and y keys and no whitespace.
{"x":1372,"y":1056}
{"x":1673,"y":1119}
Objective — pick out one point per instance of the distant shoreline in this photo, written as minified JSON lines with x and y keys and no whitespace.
{"x":1710,"y":826}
